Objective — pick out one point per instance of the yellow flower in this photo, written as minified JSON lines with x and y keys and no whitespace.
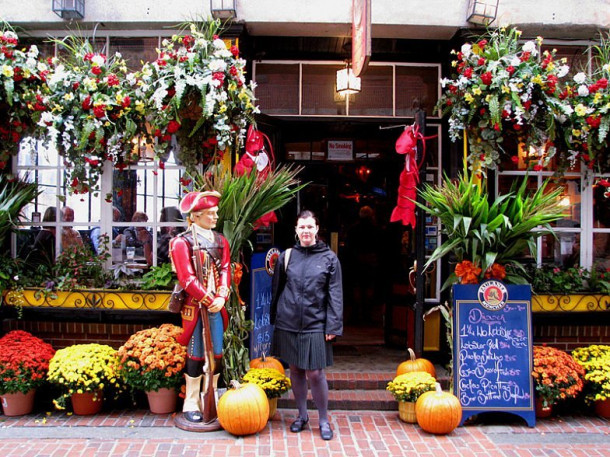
{"x":580,"y":109}
{"x":477,"y":91}
{"x":7,"y":71}
{"x":468,"y":97}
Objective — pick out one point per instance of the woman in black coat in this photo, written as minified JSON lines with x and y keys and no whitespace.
{"x":307,"y":311}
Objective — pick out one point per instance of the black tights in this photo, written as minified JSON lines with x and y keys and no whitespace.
{"x":319,"y":390}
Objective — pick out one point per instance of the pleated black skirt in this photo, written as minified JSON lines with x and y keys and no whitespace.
{"x":308,"y":351}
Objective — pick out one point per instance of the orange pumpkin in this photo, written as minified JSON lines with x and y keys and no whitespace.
{"x":243,"y":409}
{"x":415,"y":364}
{"x":267,"y":362}
{"x":438,"y":412}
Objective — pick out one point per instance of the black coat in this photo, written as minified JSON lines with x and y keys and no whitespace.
{"x":308,"y":296}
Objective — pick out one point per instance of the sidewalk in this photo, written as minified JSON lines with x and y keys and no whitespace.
{"x":357,"y":433}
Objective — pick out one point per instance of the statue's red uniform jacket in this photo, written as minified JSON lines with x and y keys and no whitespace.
{"x":198,"y":293}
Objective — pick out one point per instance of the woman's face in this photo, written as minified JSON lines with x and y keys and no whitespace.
{"x":307,"y":231}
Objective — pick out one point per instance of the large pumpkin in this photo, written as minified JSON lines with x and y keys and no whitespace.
{"x":438,"y":412}
{"x":267,"y":362}
{"x":415,"y":364}
{"x":243,"y":409}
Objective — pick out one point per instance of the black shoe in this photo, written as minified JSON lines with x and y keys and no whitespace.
{"x":193,"y":416}
{"x":326,"y":433}
{"x":299,"y":424}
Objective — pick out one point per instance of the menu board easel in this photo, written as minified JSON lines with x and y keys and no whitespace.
{"x":492,"y":340}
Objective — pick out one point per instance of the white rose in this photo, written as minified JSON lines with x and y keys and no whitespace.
{"x":580,"y":78}
{"x":583,"y":90}
{"x":562,"y":71}
{"x":466,"y":50}
{"x":531,"y":47}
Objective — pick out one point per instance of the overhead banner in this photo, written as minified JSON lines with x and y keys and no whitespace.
{"x":361,"y":35}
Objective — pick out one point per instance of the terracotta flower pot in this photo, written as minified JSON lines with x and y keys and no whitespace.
{"x":406,"y":412}
{"x":541,"y":410}
{"x":162,"y":401}
{"x":18,"y":404}
{"x":87,"y":403}
{"x":602,"y":408}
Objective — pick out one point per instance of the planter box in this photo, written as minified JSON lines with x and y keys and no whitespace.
{"x":557,"y":303}
{"x":134,"y":300}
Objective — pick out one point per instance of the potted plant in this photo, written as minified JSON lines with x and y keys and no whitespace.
{"x":21,"y":82}
{"x":82,"y":372}
{"x":197,"y":93}
{"x":483,"y":236}
{"x":153,"y":361}
{"x":407,"y":388}
{"x":557,"y":377}
{"x":24,"y":362}
{"x":595,"y":360}
{"x":273,"y":382}
{"x":504,"y":88}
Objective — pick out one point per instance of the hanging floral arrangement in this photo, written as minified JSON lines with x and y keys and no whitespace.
{"x":94,"y":113}
{"x":503,"y":88}
{"x":589,"y":121}
{"x":22,"y":77}
{"x":199,"y":101}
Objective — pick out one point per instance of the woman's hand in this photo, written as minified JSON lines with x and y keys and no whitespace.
{"x":330,"y":337}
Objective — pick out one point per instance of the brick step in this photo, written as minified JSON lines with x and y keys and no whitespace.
{"x":375,"y":400}
{"x":358,"y":381}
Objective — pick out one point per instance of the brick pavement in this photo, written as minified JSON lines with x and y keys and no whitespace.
{"x":357,"y":433}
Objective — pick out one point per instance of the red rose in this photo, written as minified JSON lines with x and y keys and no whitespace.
{"x":235,"y":51}
{"x":527,"y":104}
{"x":113,"y":80}
{"x":517,"y":127}
{"x":537,"y":167}
{"x":510,"y":69}
{"x":525,"y":56}
{"x":602,"y":82}
{"x":594,"y":121}
{"x":515,"y":159}
{"x":99,"y":111}
{"x":126,"y":101}
{"x":96,"y":70}
{"x":86,"y":103}
{"x":487,"y":78}
{"x":468,"y":72}
{"x":481,"y":61}
{"x":173,"y":126}
{"x":482,"y":44}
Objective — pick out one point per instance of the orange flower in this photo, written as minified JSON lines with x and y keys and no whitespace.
{"x":468,"y":272}
{"x":496,"y":271}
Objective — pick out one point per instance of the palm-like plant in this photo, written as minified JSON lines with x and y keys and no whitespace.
{"x":245,"y":199}
{"x":487,"y":233}
{"x":15,"y":194}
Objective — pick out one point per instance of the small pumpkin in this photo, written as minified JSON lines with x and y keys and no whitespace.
{"x":267,"y":362}
{"x":243,"y":409}
{"x":438,"y":412}
{"x":415,"y":364}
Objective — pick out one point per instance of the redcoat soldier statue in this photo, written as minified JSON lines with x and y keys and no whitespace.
{"x":202,"y":262}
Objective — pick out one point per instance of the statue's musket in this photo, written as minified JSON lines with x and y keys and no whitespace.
{"x":209,"y":400}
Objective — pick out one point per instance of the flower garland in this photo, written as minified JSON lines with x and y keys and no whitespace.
{"x":409,"y":386}
{"x":595,"y":360}
{"x":83,"y":368}
{"x":502,"y":89}
{"x":94,"y":113}
{"x":557,"y":376}
{"x":24,"y":362}
{"x":21,"y":79}
{"x":152,"y":359}
{"x":197,"y":93}
{"x":274,"y":383}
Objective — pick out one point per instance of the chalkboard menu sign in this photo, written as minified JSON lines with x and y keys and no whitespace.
{"x":262,"y":265}
{"x":493,"y":349}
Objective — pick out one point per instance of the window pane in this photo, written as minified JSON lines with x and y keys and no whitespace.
{"x":32,"y":153}
{"x":570,"y":201}
{"x":135,"y":50}
{"x":576,"y":57}
{"x":375,"y":98}
{"x":601,"y":208}
{"x":319,"y":94}
{"x":277,"y":90}
{"x":415,"y":85}
{"x":563,"y":251}
{"x":601,"y":250}
{"x":169,"y":190}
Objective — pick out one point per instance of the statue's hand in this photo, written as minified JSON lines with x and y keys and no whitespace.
{"x":217,"y":305}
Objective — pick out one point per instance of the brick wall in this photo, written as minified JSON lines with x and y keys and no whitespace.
{"x":569,"y":337}
{"x":62,"y":334}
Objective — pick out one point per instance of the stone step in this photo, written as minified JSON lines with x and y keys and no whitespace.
{"x":375,"y":400}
